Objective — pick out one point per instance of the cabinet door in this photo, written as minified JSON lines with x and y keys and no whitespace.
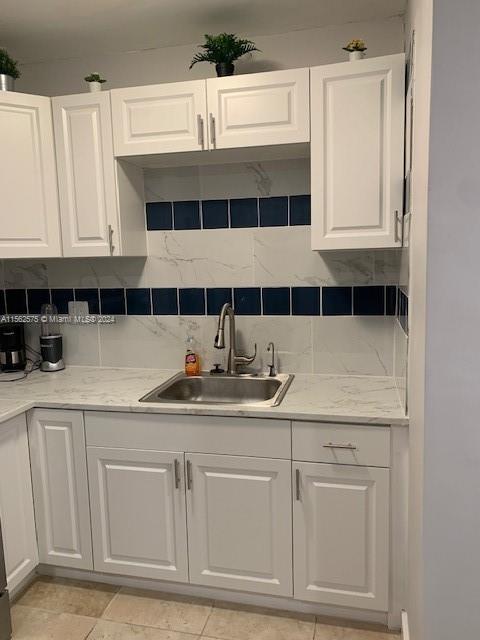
{"x":159,"y":118}
{"x":138,"y":513}
{"x":341,"y":533}
{"x":239,"y":523}
{"x":29,"y":218}
{"x":259,"y":109}
{"x":60,"y":487}
{"x":86,"y":176}
{"x":16,"y":502}
{"x":357,"y":118}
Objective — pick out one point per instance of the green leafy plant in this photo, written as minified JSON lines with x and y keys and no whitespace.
{"x":8,"y":65}
{"x":224,"y":48}
{"x":95,"y":77}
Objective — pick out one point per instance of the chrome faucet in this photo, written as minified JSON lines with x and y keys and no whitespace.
{"x":233,"y":358}
{"x":272,"y":369}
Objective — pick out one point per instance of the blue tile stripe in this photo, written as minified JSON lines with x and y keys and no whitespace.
{"x":366,"y":300}
{"x":233,"y":213}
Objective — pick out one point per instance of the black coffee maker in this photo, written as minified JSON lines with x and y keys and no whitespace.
{"x":12,"y":347}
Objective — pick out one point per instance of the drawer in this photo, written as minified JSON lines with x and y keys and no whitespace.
{"x":356,"y":444}
{"x":256,"y":437}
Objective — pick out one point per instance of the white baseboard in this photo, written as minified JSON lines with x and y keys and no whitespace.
{"x":238,"y":597}
{"x":405,"y":628}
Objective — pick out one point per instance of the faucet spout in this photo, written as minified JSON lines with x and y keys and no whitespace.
{"x":219,"y":343}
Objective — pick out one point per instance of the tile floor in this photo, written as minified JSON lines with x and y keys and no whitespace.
{"x":57,"y":609}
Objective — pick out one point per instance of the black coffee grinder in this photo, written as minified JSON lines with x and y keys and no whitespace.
{"x":51,"y":342}
{"x":12,"y":347}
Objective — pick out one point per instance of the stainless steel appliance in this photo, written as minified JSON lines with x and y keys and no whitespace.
{"x":12,"y":347}
{"x":5,"y":622}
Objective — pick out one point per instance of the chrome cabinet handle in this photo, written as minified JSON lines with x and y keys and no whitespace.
{"x":398,"y":223}
{"x":297,"y":484}
{"x":176,"y":466}
{"x":189,"y":475}
{"x":332,"y":445}
{"x":201,"y":136}
{"x":110,"y":239}
{"x":213,"y":137}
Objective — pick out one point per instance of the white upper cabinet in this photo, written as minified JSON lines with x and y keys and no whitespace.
{"x":29,"y":215}
{"x":16,"y":502}
{"x":259,"y":109}
{"x":357,"y":119}
{"x":60,"y":486}
{"x":239,"y":523}
{"x":159,"y":118}
{"x":100,"y":199}
{"x":341,"y":535}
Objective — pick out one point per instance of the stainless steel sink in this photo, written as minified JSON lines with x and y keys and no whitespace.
{"x":208,"y":388}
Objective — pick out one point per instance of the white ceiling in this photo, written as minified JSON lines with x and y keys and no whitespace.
{"x":54,"y":29}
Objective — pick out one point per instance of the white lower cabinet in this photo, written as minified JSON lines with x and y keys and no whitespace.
{"x":60,"y":486}
{"x":16,"y":502}
{"x":239,"y":523}
{"x":341,"y":535}
{"x":138,"y":513}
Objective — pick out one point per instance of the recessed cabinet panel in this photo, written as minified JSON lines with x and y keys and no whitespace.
{"x":259,"y":109}
{"x":16,"y":502}
{"x":341,"y":533}
{"x":59,"y":472}
{"x":86,"y":174}
{"x":357,"y":112}
{"x":162,"y":118}
{"x":30,"y":225}
{"x":138,"y":513}
{"x":239,"y":523}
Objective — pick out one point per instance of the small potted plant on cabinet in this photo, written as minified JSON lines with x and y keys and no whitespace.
{"x":356,"y":49}
{"x":222,"y":51}
{"x":95,"y":81}
{"x":8,"y":71}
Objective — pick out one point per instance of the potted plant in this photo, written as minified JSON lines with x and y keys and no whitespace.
{"x":95,"y":81}
{"x":8,"y":71}
{"x":356,"y":49}
{"x":222,"y":51}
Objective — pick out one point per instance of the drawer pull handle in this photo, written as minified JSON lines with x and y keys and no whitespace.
{"x":332,"y":445}
{"x":177,"y":473}
{"x":297,"y":484}
{"x":189,"y":475}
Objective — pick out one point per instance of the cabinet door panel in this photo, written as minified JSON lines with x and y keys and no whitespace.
{"x":59,"y":472}
{"x":16,"y":502}
{"x":138,"y":513}
{"x":86,"y":177}
{"x":30,"y":225}
{"x":357,"y":112}
{"x":341,"y":533}
{"x":159,"y":118}
{"x":239,"y":523}
{"x":259,"y":109}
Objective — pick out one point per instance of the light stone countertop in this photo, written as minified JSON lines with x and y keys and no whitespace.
{"x":332,"y":398}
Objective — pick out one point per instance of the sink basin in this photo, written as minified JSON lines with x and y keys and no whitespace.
{"x":222,"y":389}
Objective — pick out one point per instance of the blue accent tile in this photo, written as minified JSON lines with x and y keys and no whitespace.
{"x":215,"y":214}
{"x":216,"y":298}
{"x":369,"y":301}
{"x":16,"y":300}
{"x":138,"y":302}
{"x":273,"y":211}
{"x":36,"y":298}
{"x":61,"y":298}
{"x":192,"y":302}
{"x":165,"y":302}
{"x":403,"y":310}
{"x":337,"y":301}
{"x":159,"y":216}
{"x":306,"y":301}
{"x":390,"y":300}
{"x":300,"y":210}
{"x":2,"y":302}
{"x":90,"y":296}
{"x":243,"y":213}
{"x":247,"y":301}
{"x":186,"y":214}
{"x":276,"y":301}
{"x":112,"y":301}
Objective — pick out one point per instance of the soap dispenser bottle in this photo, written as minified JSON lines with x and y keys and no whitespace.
{"x":192,"y":360}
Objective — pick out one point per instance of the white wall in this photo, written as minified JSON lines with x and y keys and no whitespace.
{"x":282,"y":51}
